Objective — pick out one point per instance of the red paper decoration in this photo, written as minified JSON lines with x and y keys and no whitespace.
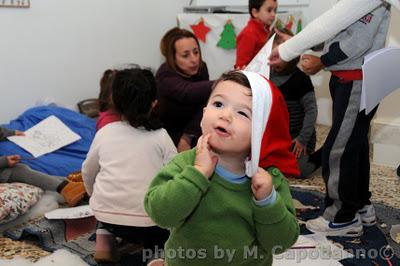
{"x":200,"y":30}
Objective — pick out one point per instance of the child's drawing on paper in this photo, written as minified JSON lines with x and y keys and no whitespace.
{"x":47,"y":136}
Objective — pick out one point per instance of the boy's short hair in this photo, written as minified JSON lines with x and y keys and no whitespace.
{"x":255,"y":4}
{"x":235,"y":76}
{"x":278,"y":39}
{"x":133,"y":91}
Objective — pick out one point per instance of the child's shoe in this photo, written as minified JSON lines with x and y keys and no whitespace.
{"x":322,"y":226}
{"x":73,"y":193}
{"x":75,"y":177}
{"x":106,"y":250}
{"x":367,"y":215}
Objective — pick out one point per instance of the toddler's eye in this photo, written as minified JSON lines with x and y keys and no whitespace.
{"x":218,"y":104}
{"x":243,"y":114}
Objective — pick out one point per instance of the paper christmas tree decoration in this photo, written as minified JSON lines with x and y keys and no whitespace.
{"x":228,"y":37}
{"x":279,"y":24}
{"x":200,"y":30}
{"x":299,"y":26}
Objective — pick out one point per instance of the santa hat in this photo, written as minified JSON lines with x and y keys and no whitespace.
{"x":270,"y":138}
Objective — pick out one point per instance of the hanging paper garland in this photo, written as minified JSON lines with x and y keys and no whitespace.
{"x":228,"y":37}
{"x":279,"y":24}
{"x":290,"y":22}
{"x":200,"y":30}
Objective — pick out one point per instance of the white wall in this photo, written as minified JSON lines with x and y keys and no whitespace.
{"x":389,"y":109}
{"x":57,"y":49}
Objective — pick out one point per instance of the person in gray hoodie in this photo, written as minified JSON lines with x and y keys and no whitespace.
{"x":11,"y":170}
{"x":345,"y":153}
{"x":324,"y":27}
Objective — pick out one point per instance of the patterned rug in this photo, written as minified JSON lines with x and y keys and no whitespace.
{"x":50,"y":235}
{"x":374,"y":247}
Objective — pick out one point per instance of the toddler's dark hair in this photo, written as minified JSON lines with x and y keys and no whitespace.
{"x":106,"y":90}
{"x":255,"y":4}
{"x":134,"y":91}
{"x":235,"y":76}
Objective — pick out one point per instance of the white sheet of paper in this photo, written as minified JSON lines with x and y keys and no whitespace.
{"x":259,"y":64}
{"x":70,"y":213}
{"x":381,"y":76}
{"x":47,"y":136}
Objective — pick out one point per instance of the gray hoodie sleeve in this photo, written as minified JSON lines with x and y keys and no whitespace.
{"x":3,"y":162}
{"x":4,"y":133}
{"x":309,"y":104}
{"x":353,"y":42}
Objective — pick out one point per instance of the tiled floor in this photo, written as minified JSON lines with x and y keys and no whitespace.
{"x":384,"y":184}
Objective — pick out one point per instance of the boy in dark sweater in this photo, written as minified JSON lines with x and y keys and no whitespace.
{"x":298,"y":91}
{"x":11,"y":170}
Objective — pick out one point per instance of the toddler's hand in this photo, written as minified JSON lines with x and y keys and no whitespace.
{"x":205,"y":160}
{"x":12,"y":160}
{"x":19,"y":133}
{"x":261,"y":184}
{"x":298,"y":148}
{"x":311,"y":64}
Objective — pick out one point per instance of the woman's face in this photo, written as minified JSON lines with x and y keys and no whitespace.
{"x":187,"y":56}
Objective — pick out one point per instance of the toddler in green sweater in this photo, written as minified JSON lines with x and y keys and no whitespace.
{"x":218,"y":202}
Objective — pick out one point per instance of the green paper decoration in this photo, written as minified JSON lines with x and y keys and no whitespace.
{"x":228,"y":37}
{"x":299,"y":26}
{"x":279,"y":24}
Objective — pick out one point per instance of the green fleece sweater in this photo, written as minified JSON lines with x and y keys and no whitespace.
{"x":217,"y":222}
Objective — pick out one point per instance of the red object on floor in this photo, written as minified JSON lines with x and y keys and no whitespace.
{"x":77,"y":227}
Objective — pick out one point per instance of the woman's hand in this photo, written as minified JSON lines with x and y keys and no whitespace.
{"x":311,"y":64}
{"x":261,"y":184}
{"x":12,"y":160}
{"x":205,"y":160}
